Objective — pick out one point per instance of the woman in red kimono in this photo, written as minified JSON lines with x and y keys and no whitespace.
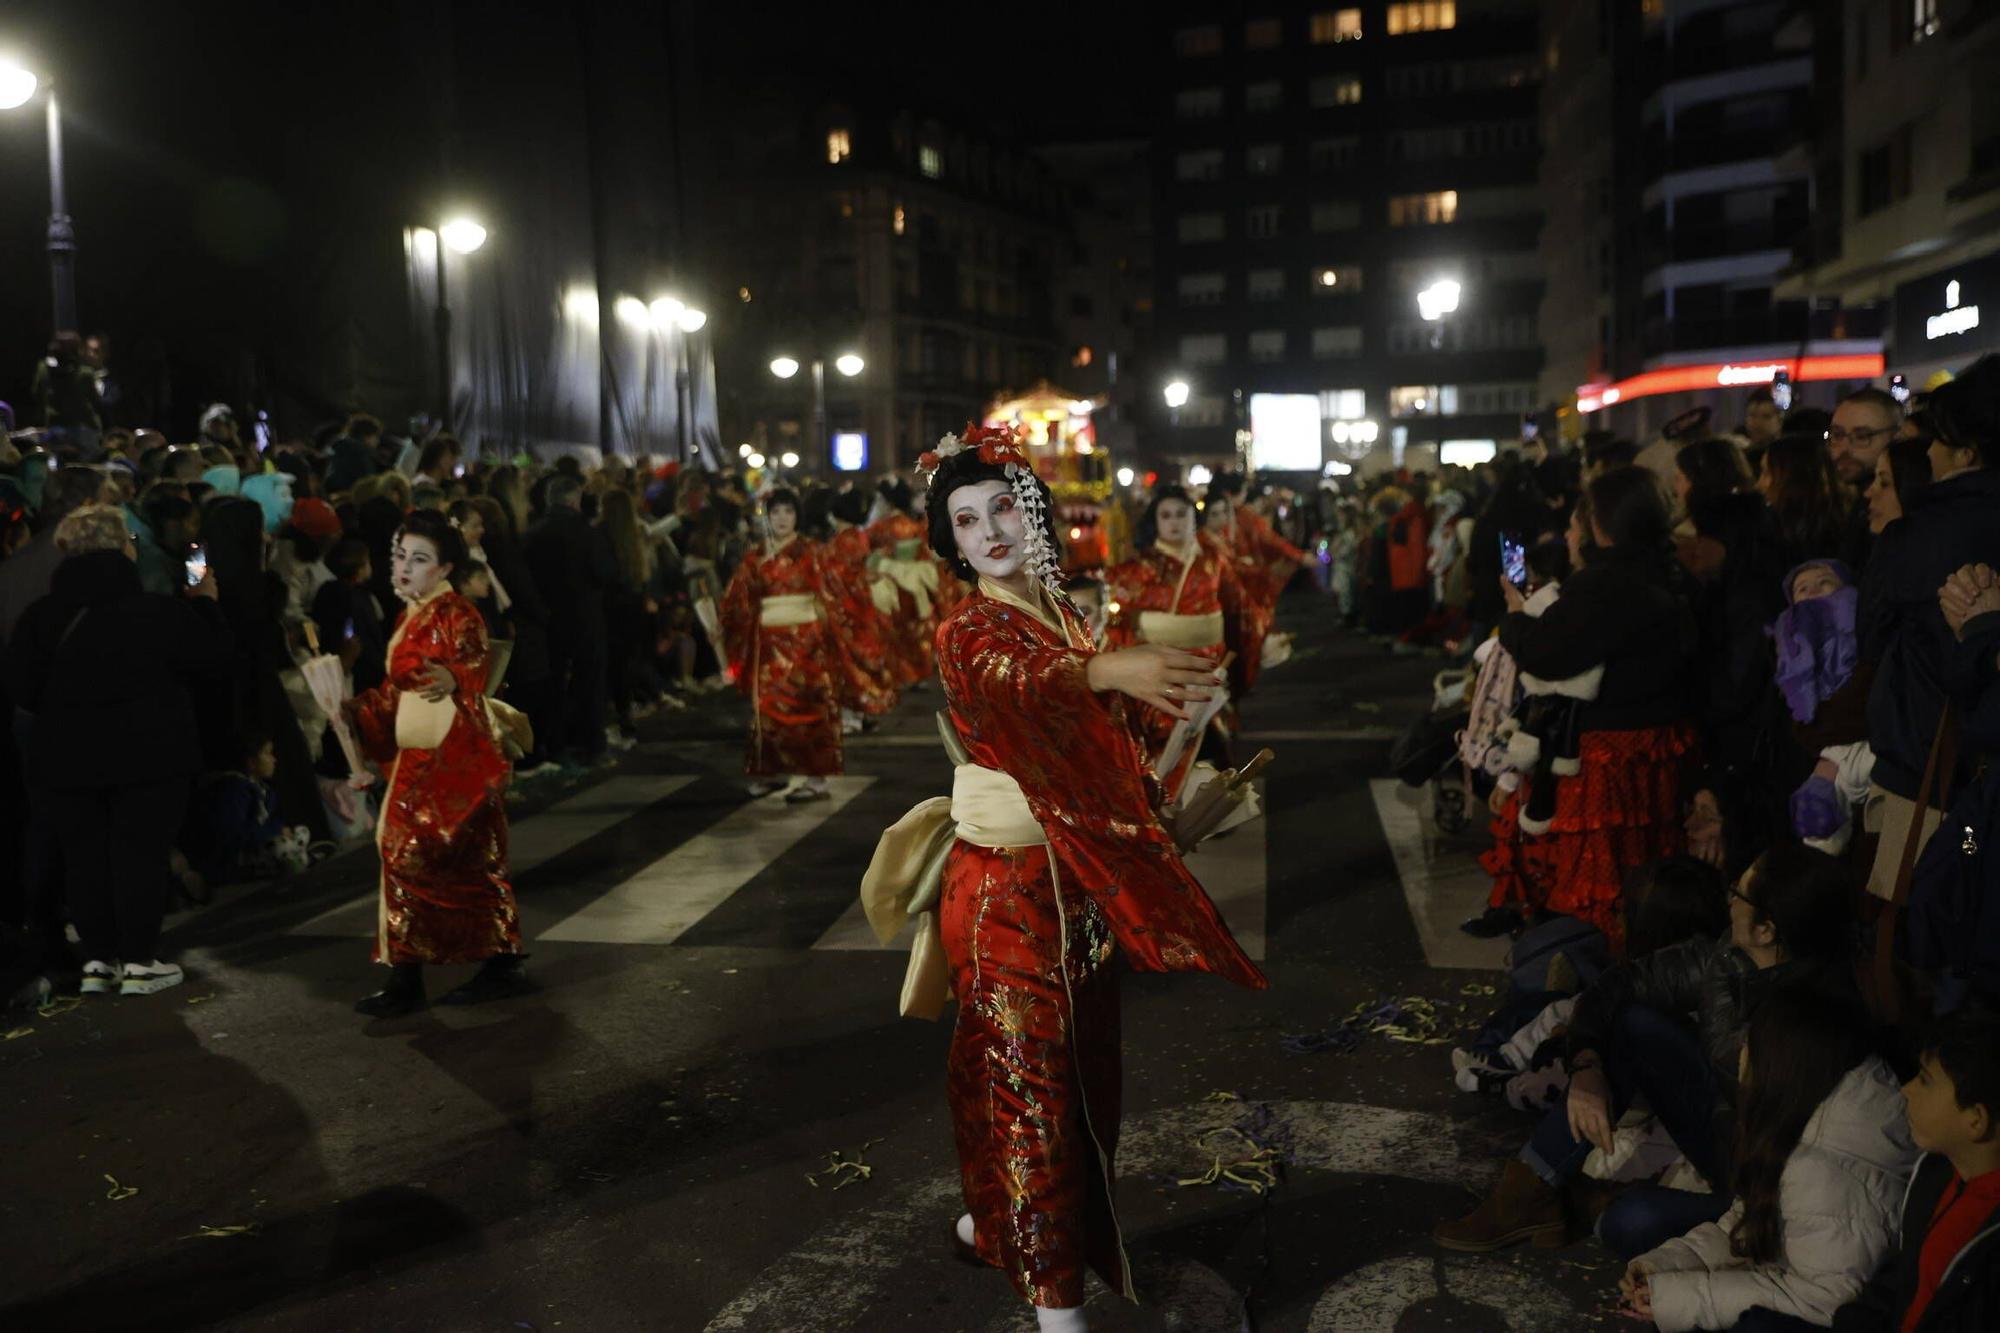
{"x":443,"y":831}
{"x":868,"y":672}
{"x":897,"y":539}
{"x":1061,"y":863}
{"x":1254,"y":614}
{"x":1181,"y":591}
{"x":778,"y":618}
{"x":1268,"y":560}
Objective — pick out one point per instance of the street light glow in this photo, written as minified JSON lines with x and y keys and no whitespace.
{"x":692,"y":319}
{"x":849,"y":364}
{"x":667,"y":311}
{"x":789,"y":459}
{"x":1199,"y":475}
{"x":463,"y":235}
{"x":1177,"y":394}
{"x":632,"y":311}
{"x":784,"y":367}
{"x":17,"y":85}
{"x":744,"y":450}
{"x":1438,"y":300}
{"x":755,"y":460}
{"x":1126,"y":476}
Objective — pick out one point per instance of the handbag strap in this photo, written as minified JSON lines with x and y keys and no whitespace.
{"x":1937,"y":776}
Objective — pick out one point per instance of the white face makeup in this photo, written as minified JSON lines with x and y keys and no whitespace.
{"x":1175,"y":521}
{"x":414,"y":567}
{"x":989,"y":527}
{"x":782,"y":520}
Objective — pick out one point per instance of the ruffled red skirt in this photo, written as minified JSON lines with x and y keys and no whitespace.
{"x":1622,"y":809}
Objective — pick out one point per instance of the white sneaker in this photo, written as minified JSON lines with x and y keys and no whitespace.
{"x":99,"y":978}
{"x":146,"y":978}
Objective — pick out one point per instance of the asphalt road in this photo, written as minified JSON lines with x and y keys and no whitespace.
{"x":631,"y":1147}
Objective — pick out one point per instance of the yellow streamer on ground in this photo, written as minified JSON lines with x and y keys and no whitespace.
{"x":118,"y":1191}
{"x":1256,"y":1168}
{"x":843,"y":1170}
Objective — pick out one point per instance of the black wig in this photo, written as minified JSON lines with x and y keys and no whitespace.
{"x":967,"y":468}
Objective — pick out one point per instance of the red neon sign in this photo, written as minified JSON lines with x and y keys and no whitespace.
{"x":1726,"y":375}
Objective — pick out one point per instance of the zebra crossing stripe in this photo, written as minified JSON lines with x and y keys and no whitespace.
{"x":532,"y":843}
{"x":665,"y":899}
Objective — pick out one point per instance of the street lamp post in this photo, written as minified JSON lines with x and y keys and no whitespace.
{"x":463,"y":235}
{"x":848,"y":364}
{"x":676,"y":319}
{"x":17,"y":87}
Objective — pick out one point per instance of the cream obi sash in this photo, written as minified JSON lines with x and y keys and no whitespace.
{"x":791,"y":608}
{"x":1184,"y":632}
{"x":919,"y":578}
{"x":987,"y":809}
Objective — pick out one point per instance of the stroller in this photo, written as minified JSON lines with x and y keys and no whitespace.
{"x":1427,"y":753}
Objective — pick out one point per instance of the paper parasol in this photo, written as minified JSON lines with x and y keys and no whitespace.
{"x":327,"y":679}
{"x":1226,"y":800}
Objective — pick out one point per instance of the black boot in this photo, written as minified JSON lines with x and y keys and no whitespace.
{"x":403,"y":995}
{"x":501,"y":977}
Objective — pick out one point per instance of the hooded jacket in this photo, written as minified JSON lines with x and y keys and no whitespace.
{"x":1840,"y":1196}
{"x":1966,"y":1301}
{"x":101,"y":663}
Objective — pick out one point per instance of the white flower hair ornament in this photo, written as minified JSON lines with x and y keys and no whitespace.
{"x":1002,"y":446}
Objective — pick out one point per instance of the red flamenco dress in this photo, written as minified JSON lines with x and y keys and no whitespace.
{"x":1074,"y":870}
{"x":902,"y":556}
{"x":443,"y":832}
{"x":868,"y":674}
{"x":777,"y":622}
{"x":1189,"y":599}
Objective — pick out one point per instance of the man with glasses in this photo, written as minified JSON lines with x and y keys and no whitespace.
{"x":1863,"y":424}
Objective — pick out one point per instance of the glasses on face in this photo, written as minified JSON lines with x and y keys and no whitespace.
{"x":1841,"y":435}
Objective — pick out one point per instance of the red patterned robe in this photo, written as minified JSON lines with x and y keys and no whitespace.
{"x":902,"y":537}
{"x":789,"y":671}
{"x":1031,"y":933}
{"x":1159,"y":581}
{"x":1255,"y":613}
{"x":1262,"y":548}
{"x":868,"y":674}
{"x":443,"y":832}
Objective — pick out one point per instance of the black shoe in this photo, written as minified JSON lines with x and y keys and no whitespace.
{"x":1492,"y":923}
{"x":502,"y":977}
{"x":403,"y":995}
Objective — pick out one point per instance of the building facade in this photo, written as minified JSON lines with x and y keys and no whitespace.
{"x":1318,"y":166}
{"x":1916,"y":131}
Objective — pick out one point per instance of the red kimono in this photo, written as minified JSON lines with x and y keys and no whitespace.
{"x":868,"y":675}
{"x":900,"y":543}
{"x":443,"y":832}
{"x":1255,"y":611}
{"x":1196,"y":606}
{"x":1257,"y":538}
{"x":777,"y":623}
{"x":1030,"y":933}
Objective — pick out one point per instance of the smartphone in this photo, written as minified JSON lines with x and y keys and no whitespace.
{"x":1899,"y":388}
{"x":1514,"y":559}
{"x":196,"y":565}
{"x":347,"y":630}
{"x":1781,"y":390}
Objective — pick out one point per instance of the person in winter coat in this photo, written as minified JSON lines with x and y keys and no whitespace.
{"x":1944,"y":1274}
{"x":102,"y":665}
{"x":1946,"y":525}
{"x":1629,"y":1037}
{"x":1822,"y":1155}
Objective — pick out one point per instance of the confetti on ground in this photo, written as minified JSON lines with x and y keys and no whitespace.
{"x":201,"y":999}
{"x":1222,"y":1097}
{"x":17,"y":1032}
{"x":57,"y":1005}
{"x":118,"y":1191}
{"x":1477,"y":988}
{"x":843,"y":1170}
{"x":222,"y":1233}
{"x":1254,"y":1166}
{"x":1412,"y":1019}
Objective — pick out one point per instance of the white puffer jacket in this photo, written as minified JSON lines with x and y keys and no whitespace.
{"x":1841,"y":1196}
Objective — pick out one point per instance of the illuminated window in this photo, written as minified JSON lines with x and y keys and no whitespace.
{"x":1198,"y":103}
{"x":1266,"y":96}
{"x":1266,"y":284}
{"x":898,"y":220}
{"x":1336,"y":25}
{"x":1203,"y":288}
{"x":1335,"y":341}
{"x":1263,"y":34}
{"x":1337,"y":280}
{"x":1423,"y":400}
{"x":930,"y":161}
{"x":1203,"y":164}
{"x":1343,"y":404}
{"x":1262,"y":222}
{"x":1422,"y":16}
{"x":1084,"y":356}
{"x":1204,"y":349}
{"x":1420,"y":210}
{"x":1335,"y":90}
{"x":1202,"y":41}
{"x":1264,"y":159}
{"x":1267,"y":345}
{"x":838,"y":146}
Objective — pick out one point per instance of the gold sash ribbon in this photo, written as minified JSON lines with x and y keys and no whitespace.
{"x":919,"y":578}
{"x":791,"y":608}
{"x":1183,"y":632}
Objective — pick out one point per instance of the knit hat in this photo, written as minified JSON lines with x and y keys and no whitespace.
{"x":314,"y":517}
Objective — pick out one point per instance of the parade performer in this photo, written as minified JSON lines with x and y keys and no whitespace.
{"x":780,"y":622}
{"x":443,"y":831}
{"x":1254,"y":613}
{"x":1058,"y":862}
{"x":1180,"y":591}
{"x":1267,"y":560}
{"x":897,"y":538}
{"x":868,"y":673}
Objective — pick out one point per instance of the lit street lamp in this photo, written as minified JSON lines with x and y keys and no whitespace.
{"x":17,"y":88}
{"x":463,"y":235}
{"x":1434,"y":303}
{"x":848,"y":364}
{"x":674,"y":319}
{"x":1177,"y":394}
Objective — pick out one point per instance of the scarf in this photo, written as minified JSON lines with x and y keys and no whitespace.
{"x":1817,"y":650}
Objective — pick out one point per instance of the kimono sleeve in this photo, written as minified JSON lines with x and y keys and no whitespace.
{"x":739,"y":622}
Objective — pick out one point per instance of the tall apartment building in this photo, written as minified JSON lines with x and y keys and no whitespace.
{"x":922,"y":246}
{"x":1727,"y":186}
{"x":1916,"y":133}
{"x":1317,"y":167}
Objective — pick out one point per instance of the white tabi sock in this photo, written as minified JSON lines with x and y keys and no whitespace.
{"x":1060,"y":1321}
{"x":965,"y":1232}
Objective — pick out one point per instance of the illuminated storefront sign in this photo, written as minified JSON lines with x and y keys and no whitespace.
{"x":1955,"y":319}
{"x":850,"y":451}
{"x":1937,"y":318}
{"x":1726,"y":375}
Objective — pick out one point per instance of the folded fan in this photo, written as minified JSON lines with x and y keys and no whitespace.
{"x":326,"y":677}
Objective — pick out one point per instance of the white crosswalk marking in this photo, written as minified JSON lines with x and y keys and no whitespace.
{"x":564,"y":825}
{"x":1441,"y":890}
{"x":1233,"y":869}
{"x":662,"y":901}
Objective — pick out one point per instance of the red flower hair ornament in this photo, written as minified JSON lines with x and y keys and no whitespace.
{"x":1005,"y":447}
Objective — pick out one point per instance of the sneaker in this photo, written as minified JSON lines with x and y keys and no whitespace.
{"x":99,"y":978}
{"x":146,"y":978}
